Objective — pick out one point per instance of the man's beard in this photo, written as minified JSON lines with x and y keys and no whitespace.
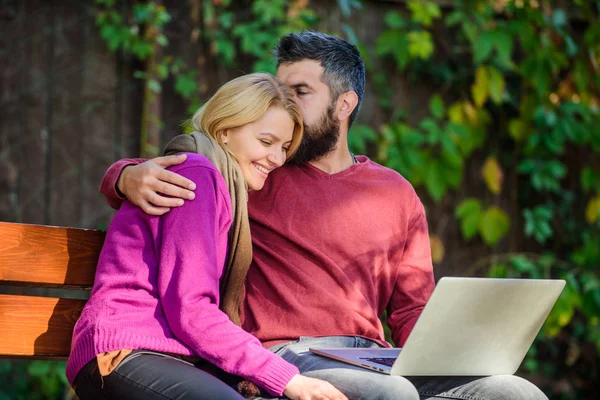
{"x":318,"y":140}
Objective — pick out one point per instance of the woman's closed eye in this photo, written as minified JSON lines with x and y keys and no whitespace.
{"x":265,"y":142}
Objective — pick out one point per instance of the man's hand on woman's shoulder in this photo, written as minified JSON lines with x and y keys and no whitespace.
{"x":147,"y":184}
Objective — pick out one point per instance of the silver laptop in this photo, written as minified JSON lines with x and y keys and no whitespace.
{"x":469,"y":327}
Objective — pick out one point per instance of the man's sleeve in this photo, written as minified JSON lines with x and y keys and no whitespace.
{"x":108,"y":187}
{"x":414,"y":282}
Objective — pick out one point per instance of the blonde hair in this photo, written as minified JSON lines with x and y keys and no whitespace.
{"x":244,"y":100}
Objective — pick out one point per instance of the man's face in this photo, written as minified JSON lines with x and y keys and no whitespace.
{"x":312,"y":94}
{"x":321,"y":127}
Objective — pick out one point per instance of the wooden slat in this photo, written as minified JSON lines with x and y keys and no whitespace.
{"x":51,"y":255}
{"x":37,"y":326}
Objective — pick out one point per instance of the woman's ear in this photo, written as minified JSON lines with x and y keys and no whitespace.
{"x":347,"y":102}
{"x":224,"y":136}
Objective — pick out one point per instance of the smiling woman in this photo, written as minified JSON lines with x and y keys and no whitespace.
{"x":256,"y":120}
{"x":261,"y":146}
{"x":253,"y":107}
{"x":167,"y":292}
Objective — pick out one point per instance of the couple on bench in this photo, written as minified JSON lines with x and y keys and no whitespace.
{"x":183,"y":295}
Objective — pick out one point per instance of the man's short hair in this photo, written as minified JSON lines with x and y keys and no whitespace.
{"x":343,"y":67}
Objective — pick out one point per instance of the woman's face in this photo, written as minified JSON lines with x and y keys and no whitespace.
{"x":261,"y":146}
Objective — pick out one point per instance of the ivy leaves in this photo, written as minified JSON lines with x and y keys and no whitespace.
{"x":406,"y":40}
{"x":492,"y":223}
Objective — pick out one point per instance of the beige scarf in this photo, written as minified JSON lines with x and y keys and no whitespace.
{"x":240,"y":243}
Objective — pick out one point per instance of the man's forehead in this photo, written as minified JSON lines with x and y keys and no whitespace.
{"x":301,"y":72}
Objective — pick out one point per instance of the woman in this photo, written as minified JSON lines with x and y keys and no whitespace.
{"x":167,"y":289}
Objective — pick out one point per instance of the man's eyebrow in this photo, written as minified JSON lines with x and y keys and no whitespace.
{"x":300,"y":85}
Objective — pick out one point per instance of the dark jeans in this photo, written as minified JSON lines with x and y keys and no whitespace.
{"x":146,"y":375}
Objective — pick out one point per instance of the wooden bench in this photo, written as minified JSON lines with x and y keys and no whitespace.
{"x":46,"y":274}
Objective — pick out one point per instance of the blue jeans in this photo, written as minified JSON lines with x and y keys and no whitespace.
{"x":359,"y":383}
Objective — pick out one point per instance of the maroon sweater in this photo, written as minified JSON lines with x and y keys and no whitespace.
{"x":332,"y":253}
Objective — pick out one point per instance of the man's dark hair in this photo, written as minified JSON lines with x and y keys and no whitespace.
{"x":344,"y":70}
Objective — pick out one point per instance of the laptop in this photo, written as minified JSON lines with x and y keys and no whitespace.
{"x":469,"y":327}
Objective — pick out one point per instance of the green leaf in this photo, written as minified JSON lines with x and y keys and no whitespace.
{"x":394,"y":43}
{"x":494,"y":225}
{"x":185,"y":84}
{"x":480,"y":90}
{"x":498,"y":271}
{"x":581,"y":75}
{"x":265,"y":65}
{"x":468,"y":206}
{"x":482,"y":47}
{"x":347,"y":5}
{"x":420,"y":44}
{"x":434,"y":133}
{"x":154,"y":85}
{"x":226,"y":49}
{"x":592,"y":211}
{"x":39,"y":368}
{"x":350,"y":34}
{"x":527,"y":166}
{"x":436,"y":106}
{"x":162,"y":40}
{"x":503,"y":43}
{"x":139,"y":74}
{"x":394,"y":20}
{"x":559,"y":18}
{"x":226,"y":19}
{"x":163,"y":71}
{"x":454,"y":18}
{"x":358,"y":137}
{"x":424,"y":12}
{"x":496,"y":85}
{"x":526,"y":267}
{"x":590,"y":179}
{"x":518,"y":130}
{"x":469,"y":213}
{"x":435,"y":180}
{"x":537,"y":223}
{"x":270,"y":11}
{"x":142,"y":12}
{"x":492,"y":174}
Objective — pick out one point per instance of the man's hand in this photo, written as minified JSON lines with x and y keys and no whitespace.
{"x":146,"y":184}
{"x":305,"y":388}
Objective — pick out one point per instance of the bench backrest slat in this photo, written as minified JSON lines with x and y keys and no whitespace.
{"x":45,"y":254}
{"x":38,"y":327}
{"x":39,"y":268}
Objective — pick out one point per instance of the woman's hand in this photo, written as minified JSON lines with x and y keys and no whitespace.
{"x":305,"y":388}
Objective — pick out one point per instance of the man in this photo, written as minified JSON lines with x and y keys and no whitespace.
{"x":337,"y":238}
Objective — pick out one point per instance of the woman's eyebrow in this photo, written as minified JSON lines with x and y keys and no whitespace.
{"x":274,"y":136}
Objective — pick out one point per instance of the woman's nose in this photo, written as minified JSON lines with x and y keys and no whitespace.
{"x":277,"y":158}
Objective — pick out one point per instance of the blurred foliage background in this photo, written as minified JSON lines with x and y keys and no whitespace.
{"x":489,"y":108}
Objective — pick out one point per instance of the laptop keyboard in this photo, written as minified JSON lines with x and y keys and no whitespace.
{"x":387,"y":361}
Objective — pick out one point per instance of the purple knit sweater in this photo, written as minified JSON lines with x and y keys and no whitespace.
{"x":157,"y":288}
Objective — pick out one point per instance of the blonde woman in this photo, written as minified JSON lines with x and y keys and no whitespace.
{"x":167,"y":293}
